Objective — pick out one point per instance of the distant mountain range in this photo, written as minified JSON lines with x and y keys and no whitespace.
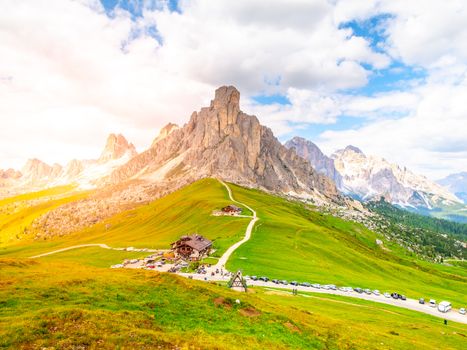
{"x":222,"y":141}
{"x":36,"y":174}
{"x":457,"y":184}
{"x":218,"y":141}
{"x":369,"y":178}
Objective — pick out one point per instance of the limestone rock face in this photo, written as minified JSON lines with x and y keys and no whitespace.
{"x":371,"y":177}
{"x":73,"y":168}
{"x":165,"y":131}
{"x":322,"y":163}
{"x":36,"y":170}
{"x":116,"y":147}
{"x":10,"y":174}
{"x":222,"y":141}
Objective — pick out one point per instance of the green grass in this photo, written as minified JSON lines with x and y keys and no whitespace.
{"x":293,"y":243}
{"x":387,"y":327}
{"x":156,"y":225}
{"x":94,"y":256}
{"x":70,"y":306}
{"x":17,"y":213}
{"x":68,"y":298}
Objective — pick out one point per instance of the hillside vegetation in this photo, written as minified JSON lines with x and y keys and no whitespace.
{"x":70,"y":306}
{"x":294,"y":243}
{"x":18,"y":212}
{"x":156,"y":225}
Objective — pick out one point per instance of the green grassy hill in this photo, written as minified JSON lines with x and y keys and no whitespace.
{"x":155,"y":225}
{"x":293,"y":243}
{"x":72,"y":298}
{"x":18,"y":212}
{"x":70,"y":306}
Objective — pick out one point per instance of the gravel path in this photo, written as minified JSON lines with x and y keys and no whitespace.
{"x":223,"y":259}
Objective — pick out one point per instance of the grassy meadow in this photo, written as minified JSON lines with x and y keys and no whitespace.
{"x":72,"y":300}
{"x":70,"y":306}
{"x":156,"y":225}
{"x":293,"y":243}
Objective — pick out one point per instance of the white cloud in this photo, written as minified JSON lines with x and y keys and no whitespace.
{"x":70,"y":74}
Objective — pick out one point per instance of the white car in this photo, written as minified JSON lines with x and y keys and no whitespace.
{"x":376,"y":292}
{"x":432,"y":303}
{"x":462,"y":311}
{"x":387,"y":295}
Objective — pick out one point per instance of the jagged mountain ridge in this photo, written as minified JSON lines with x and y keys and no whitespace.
{"x":322,"y":163}
{"x":37,"y":174}
{"x":222,"y":141}
{"x":370,"y":177}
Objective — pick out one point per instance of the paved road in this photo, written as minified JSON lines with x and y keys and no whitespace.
{"x":410,"y":304}
{"x":223,"y":259}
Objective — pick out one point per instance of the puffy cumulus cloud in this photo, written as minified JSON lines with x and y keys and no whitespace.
{"x":70,"y":73}
{"x":262,"y":48}
{"x":432,"y":139}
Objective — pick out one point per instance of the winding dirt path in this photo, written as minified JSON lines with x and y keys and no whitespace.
{"x":105,"y":246}
{"x":223,"y":259}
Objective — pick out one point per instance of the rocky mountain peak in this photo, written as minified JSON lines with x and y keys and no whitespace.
{"x":35,"y":170}
{"x":222,"y":141}
{"x":10,"y":174}
{"x":116,"y":147}
{"x":311,"y":152}
{"x":165,"y":131}
{"x":353,"y":149}
{"x":226,"y":98}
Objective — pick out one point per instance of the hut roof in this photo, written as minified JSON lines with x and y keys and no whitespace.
{"x":195,"y":241}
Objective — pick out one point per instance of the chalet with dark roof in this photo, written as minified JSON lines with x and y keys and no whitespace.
{"x":232,"y":210}
{"x":192,"y":247}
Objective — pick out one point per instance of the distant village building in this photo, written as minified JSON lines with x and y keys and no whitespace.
{"x":232,"y":210}
{"x":193,"y":247}
{"x":237,"y":282}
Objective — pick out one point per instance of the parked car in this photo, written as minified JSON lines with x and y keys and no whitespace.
{"x":432,"y":302}
{"x":316,"y":285}
{"x":284,"y":282}
{"x":254,"y":278}
{"x":421,"y":301}
{"x":395,"y":295}
{"x":376,"y":292}
{"x":294,"y":283}
{"x":326,"y":286}
{"x":387,"y":295}
{"x":264,"y":279}
{"x":332,"y":287}
{"x":246,"y":277}
{"x":367,"y":291}
{"x":462,"y":311}
{"x":275,"y":281}
{"x":305,"y":284}
{"x":402,"y":297}
{"x":444,"y":306}
{"x":358,"y":290}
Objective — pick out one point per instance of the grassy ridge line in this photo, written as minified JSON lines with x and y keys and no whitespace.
{"x":67,"y":305}
{"x":294,"y":243}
